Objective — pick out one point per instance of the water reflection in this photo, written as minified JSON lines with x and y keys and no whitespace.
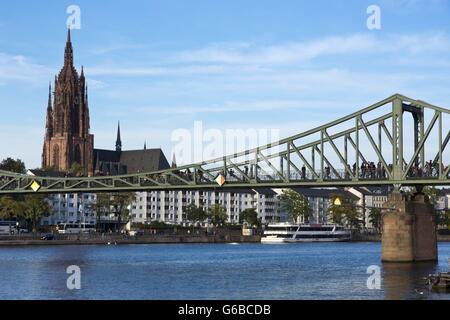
{"x":406,"y":280}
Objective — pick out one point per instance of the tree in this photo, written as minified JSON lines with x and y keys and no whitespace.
{"x":431,"y":192}
{"x":443,"y":219}
{"x":375,"y":218}
{"x":76,"y":169}
{"x":296,"y":205}
{"x":120,"y":203}
{"x":10,"y":209}
{"x":35,"y":207}
{"x":250,"y":216}
{"x":195,"y":214}
{"x":218,"y":215}
{"x":102,"y":205}
{"x":9,"y":164}
{"x":344,"y":211}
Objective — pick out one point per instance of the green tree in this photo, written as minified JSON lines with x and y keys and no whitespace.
{"x":431,"y":192}
{"x":102,"y":205}
{"x":376,"y":218}
{"x":443,"y":219}
{"x":250,"y":216}
{"x":10,"y":208}
{"x":344,"y":211}
{"x":76,"y":169}
{"x":9,"y":164}
{"x":35,"y":207}
{"x":120,"y":203}
{"x":296,"y":205}
{"x":195,"y":214}
{"x":218,"y":215}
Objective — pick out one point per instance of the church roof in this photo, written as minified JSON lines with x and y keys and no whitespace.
{"x":144,"y":160}
{"x":106,"y":155}
{"x":134,"y":160}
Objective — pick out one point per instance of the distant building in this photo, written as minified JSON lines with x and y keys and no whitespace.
{"x":116,"y":162}
{"x":442,"y":200}
{"x":368,"y":198}
{"x":169,"y":206}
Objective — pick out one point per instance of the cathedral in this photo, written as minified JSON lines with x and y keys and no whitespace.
{"x":67,"y":136}
{"x":67,"y":132}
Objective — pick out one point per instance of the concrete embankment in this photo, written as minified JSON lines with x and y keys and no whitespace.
{"x":132,"y":240}
{"x":162,"y":239}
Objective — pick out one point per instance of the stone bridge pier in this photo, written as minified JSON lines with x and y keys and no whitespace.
{"x":409,"y":229}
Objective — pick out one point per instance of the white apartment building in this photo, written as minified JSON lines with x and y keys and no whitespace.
{"x":442,"y":200}
{"x":70,"y":208}
{"x":166,"y":206}
{"x":169,"y":206}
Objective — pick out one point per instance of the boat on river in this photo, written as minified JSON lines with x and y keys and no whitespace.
{"x":291,"y":233}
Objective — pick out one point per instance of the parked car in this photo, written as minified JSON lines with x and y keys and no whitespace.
{"x":14,"y":231}
{"x":48,"y":236}
{"x":135,"y":233}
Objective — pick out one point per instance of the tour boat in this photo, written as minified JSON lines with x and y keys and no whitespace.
{"x":288,"y":233}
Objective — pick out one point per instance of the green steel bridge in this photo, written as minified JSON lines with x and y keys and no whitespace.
{"x":394,"y":131}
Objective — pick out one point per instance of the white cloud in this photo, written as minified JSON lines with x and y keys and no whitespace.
{"x":241,"y":106}
{"x":289,"y":53}
{"x":19,"y":68}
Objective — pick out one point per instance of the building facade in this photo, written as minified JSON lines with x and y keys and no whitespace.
{"x":170,"y":206}
{"x":67,"y":131}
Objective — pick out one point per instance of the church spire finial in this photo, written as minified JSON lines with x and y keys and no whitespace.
{"x":118,"y":140}
{"x":68,"y":53}
{"x":174,"y":161}
{"x":49,"y":94}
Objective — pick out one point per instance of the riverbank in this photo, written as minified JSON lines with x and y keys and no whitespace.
{"x":158,"y":239}
{"x":117,"y":240}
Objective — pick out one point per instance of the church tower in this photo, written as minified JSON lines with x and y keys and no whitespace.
{"x":67,"y":132}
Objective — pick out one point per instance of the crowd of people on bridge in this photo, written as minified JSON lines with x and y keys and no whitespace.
{"x":367,"y":170}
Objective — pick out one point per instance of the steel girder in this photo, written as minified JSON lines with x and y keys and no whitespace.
{"x":300,"y":160}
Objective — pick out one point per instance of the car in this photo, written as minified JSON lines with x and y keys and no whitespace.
{"x":48,"y":236}
{"x":135,"y":233}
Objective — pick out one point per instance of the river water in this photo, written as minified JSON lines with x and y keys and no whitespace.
{"x":213,"y":271}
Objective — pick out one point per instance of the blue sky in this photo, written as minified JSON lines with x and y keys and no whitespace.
{"x":161,"y":65}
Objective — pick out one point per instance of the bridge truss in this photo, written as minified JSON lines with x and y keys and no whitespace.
{"x":332,"y":155}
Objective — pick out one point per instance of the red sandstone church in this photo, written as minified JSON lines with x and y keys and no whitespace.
{"x":67,"y":132}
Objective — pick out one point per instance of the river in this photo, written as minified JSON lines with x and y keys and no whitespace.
{"x":213,"y":271}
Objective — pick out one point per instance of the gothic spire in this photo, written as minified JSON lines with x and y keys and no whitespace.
{"x":118,"y":140}
{"x":49,"y":106}
{"x":174,"y":161}
{"x":49,"y":120}
{"x":68,"y":53}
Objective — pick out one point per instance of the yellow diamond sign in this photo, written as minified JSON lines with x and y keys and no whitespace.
{"x":35,"y":186}
{"x":337,"y":202}
{"x":220,"y":180}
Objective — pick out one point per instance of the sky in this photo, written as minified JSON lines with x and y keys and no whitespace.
{"x":162,"y":66}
